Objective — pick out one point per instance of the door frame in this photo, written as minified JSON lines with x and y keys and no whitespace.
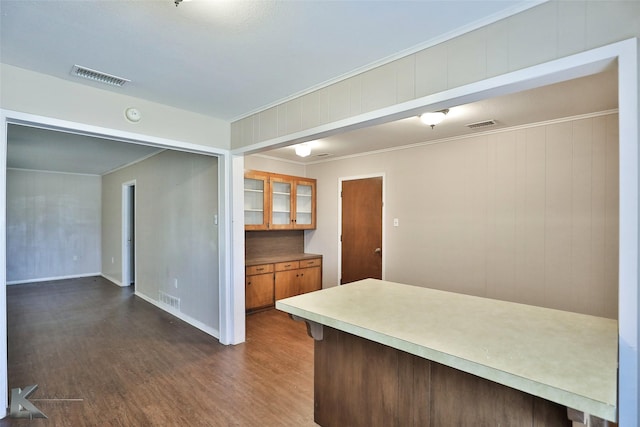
{"x":231,"y":330}
{"x":384,"y":232}
{"x":127,"y":187}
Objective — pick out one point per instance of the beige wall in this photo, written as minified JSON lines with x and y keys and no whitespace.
{"x":256,"y":162}
{"x":176,"y":238}
{"x":550,"y":31}
{"x":34,"y":93}
{"x":527,"y":215}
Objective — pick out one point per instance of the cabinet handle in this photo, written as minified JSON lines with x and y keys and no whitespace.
{"x":287,"y":265}
{"x":248,"y":283}
{"x":301,"y":274}
{"x":260,"y":269}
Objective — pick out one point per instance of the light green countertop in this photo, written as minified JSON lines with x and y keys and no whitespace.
{"x":568,"y":358}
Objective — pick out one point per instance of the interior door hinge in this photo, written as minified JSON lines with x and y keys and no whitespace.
{"x":341,"y":237}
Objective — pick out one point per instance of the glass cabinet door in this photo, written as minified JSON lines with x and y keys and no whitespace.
{"x":255,"y":202}
{"x":305,"y":209}
{"x":280,"y":203}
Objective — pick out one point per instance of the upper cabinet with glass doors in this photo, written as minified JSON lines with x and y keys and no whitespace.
{"x":288,"y":203}
{"x":256,"y":201}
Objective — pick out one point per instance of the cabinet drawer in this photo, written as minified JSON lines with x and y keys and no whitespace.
{"x":259,"y":269}
{"x":290,"y":265}
{"x":316,"y":262}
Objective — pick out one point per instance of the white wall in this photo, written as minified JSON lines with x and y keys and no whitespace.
{"x":527,"y":215}
{"x":30,"y":92}
{"x":176,"y":238}
{"x":53,"y":225}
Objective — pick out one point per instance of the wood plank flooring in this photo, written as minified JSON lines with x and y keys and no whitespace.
{"x":131,"y":364}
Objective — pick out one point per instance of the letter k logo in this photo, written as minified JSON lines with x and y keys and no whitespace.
{"x":21,"y":407}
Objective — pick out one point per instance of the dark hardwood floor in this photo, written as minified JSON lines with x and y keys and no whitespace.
{"x":123,"y":362}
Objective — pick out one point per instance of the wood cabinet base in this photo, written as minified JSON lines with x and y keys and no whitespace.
{"x":362,"y":383}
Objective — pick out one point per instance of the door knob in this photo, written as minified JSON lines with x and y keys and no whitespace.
{"x":377,"y":251}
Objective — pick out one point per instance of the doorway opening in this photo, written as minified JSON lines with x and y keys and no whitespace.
{"x":361,"y":254}
{"x":128,"y":233}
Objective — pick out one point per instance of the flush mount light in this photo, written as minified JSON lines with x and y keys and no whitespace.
{"x":432,"y":119}
{"x":303,"y":150}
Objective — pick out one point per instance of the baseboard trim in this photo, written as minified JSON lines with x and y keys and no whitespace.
{"x":51,"y":279}
{"x":191,"y":321}
{"x":112,"y":280}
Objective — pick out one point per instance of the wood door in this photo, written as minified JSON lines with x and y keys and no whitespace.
{"x":286,"y":284}
{"x":281,"y":202}
{"x":259,"y":291}
{"x":361,"y":229}
{"x":256,"y":201}
{"x":310,"y":279}
{"x":305,"y":205}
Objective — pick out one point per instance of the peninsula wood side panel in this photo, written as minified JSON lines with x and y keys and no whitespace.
{"x":358,"y":382}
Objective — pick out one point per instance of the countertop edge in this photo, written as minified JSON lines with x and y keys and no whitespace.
{"x":596,"y":408}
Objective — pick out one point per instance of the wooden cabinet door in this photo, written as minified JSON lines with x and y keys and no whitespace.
{"x":310,"y":279}
{"x":281,"y":200}
{"x":286,"y":284}
{"x":256,"y":201}
{"x":304,"y":204}
{"x":259,"y":291}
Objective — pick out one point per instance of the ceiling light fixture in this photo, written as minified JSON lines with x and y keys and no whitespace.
{"x":303,"y":150}
{"x":432,"y":119}
{"x":177,"y":2}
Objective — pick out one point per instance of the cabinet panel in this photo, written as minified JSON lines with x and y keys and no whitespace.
{"x":281,"y":202}
{"x":256,"y":201}
{"x":258,"y":291}
{"x":286,"y":284}
{"x":315,"y":262}
{"x":309,"y":279}
{"x":289,"y":265}
{"x":259,"y":269}
{"x":305,"y":205}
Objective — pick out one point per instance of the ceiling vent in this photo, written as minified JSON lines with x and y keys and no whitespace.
{"x":322,"y":155}
{"x":481,"y":124}
{"x":98,"y":76}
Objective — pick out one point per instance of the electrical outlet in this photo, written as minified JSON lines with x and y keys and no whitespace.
{"x":75,"y":257}
{"x":112,"y":260}
{"x":175,"y":283}
{"x":396,"y":222}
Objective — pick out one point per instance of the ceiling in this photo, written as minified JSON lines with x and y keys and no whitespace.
{"x":230,"y":58}
{"x":227,"y":58}
{"x":45,"y":150}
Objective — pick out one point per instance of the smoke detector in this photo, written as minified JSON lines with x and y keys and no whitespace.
{"x":98,"y":76}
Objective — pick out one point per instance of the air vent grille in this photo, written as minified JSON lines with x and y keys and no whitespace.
{"x":481,"y":124}
{"x":98,"y":76}
{"x":169,"y":300}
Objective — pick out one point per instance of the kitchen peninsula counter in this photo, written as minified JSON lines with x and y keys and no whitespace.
{"x":566,"y":358}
